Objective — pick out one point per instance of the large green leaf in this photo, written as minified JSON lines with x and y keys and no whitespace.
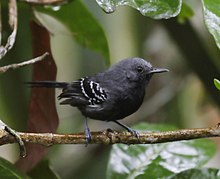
{"x":158,"y":160}
{"x":157,"y":9}
{"x":83,"y":27}
{"x":204,"y":173}
{"x":9,"y":171}
{"x":212,"y":18}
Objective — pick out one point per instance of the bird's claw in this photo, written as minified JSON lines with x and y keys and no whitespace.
{"x":134,"y":133}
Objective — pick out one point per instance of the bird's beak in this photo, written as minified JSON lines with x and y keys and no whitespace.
{"x":158,"y":70}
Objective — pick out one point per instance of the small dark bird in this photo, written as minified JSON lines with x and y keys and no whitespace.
{"x":110,"y":95}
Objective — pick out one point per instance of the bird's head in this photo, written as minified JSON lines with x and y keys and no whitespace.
{"x":139,"y":70}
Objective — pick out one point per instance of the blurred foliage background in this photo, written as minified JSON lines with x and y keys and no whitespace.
{"x":185,"y":97}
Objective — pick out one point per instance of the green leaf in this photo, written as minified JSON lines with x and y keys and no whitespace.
{"x":185,"y":13}
{"x":83,"y":27}
{"x":156,"y":9}
{"x":158,"y":160}
{"x":43,"y":170}
{"x":212,"y":18}
{"x":217,"y":83}
{"x":204,"y":173}
{"x":9,"y":171}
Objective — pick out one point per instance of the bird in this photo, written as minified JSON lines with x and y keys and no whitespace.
{"x":110,"y":95}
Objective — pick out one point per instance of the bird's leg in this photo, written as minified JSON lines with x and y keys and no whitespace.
{"x":134,"y":132}
{"x":87,"y":132}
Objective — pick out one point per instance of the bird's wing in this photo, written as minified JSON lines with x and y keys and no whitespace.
{"x":83,"y":92}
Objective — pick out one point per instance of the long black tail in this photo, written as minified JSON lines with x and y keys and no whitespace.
{"x":47,"y":84}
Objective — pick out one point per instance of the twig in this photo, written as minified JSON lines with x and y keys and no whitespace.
{"x":17,"y":65}
{"x":112,"y":137}
{"x":13,"y":24}
{"x":4,"y":127}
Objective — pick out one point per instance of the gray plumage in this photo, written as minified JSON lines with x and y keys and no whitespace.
{"x":110,"y":95}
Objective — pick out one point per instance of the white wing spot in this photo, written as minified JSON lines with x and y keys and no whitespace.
{"x":93,"y":91}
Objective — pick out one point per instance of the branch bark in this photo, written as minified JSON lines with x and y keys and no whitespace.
{"x":111,"y":137}
{"x":22,"y":64}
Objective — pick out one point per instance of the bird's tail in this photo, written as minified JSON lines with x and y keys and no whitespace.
{"x":47,"y":84}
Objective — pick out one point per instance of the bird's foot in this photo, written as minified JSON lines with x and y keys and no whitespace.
{"x":88,"y":136}
{"x":134,"y":133}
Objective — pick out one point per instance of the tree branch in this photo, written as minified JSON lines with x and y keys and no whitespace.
{"x":10,"y":131}
{"x":18,"y":65}
{"x":13,"y":22}
{"x":111,"y":137}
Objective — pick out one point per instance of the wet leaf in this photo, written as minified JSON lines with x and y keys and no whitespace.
{"x":212,"y":18}
{"x":156,"y":9}
{"x":203,"y":173}
{"x":158,"y":160}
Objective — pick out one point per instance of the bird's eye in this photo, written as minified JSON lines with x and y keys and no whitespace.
{"x":140,"y":69}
